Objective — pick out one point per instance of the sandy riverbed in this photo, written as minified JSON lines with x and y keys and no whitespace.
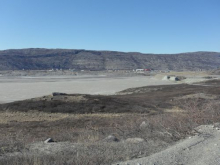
{"x":13,"y":88}
{"x":19,"y":88}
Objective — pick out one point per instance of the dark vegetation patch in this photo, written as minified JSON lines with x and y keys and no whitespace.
{"x":134,"y":100}
{"x":90,"y":104}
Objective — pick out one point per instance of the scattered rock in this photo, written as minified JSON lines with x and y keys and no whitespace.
{"x":217,"y":125}
{"x":134,"y":140}
{"x":144,"y":124}
{"x":166,"y":78}
{"x":174,"y":78}
{"x":49,"y":140}
{"x":111,"y":138}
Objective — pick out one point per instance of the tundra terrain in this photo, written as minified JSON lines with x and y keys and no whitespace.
{"x":105,"y":129}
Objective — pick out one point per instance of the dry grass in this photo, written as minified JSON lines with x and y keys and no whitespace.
{"x":89,"y":130}
{"x":175,"y":109}
{"x":97,"y":153}
{"x":9,"y":116}
{"x":6,"y":117}
{"x":192,"y":114}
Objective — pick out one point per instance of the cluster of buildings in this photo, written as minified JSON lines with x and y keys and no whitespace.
{"x":142,"y":70}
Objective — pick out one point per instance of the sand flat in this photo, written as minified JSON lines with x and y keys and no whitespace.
{"x":20,"y":88}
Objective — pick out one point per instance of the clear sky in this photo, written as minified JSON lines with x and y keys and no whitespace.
{"x":147,"y":26}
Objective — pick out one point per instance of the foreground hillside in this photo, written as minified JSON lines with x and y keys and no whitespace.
{"x":98,"y":129}
{"x":39,"y":59}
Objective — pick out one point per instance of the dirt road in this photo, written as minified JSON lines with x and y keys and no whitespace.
{"x":202,"y":149}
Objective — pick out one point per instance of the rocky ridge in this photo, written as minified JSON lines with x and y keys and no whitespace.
{"x":43,"y":59}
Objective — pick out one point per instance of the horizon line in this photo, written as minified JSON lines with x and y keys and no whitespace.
{"x":105,"y":50}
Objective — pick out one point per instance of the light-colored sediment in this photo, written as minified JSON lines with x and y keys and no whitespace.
{"x":13,"y":89}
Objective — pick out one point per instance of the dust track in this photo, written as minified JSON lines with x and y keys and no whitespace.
{"x":202,"y":149}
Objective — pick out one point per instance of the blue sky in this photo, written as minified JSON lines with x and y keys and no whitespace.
{"x":148,"y":26}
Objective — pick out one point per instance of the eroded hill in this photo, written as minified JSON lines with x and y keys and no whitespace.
{"x":40,"y":59}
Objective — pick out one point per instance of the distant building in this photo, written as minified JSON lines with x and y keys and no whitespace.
{"x":139,"y":70}
{"x":142,"y":70}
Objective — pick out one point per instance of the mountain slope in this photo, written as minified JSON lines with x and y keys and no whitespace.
{"x":37,"y":59}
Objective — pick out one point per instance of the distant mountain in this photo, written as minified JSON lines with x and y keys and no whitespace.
{"x":39,"y":59}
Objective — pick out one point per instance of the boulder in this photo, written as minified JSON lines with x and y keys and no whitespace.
{"x":166,"y":78}
{"x":144,"y":124}
{"x":49,"y":140}
{"x":111,"y":138}
{"x":173,"y":78}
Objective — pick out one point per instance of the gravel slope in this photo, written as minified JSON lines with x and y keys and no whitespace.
{"x":201,"y":149}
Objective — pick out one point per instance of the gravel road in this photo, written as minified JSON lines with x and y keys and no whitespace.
{"x":201,"y":149}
